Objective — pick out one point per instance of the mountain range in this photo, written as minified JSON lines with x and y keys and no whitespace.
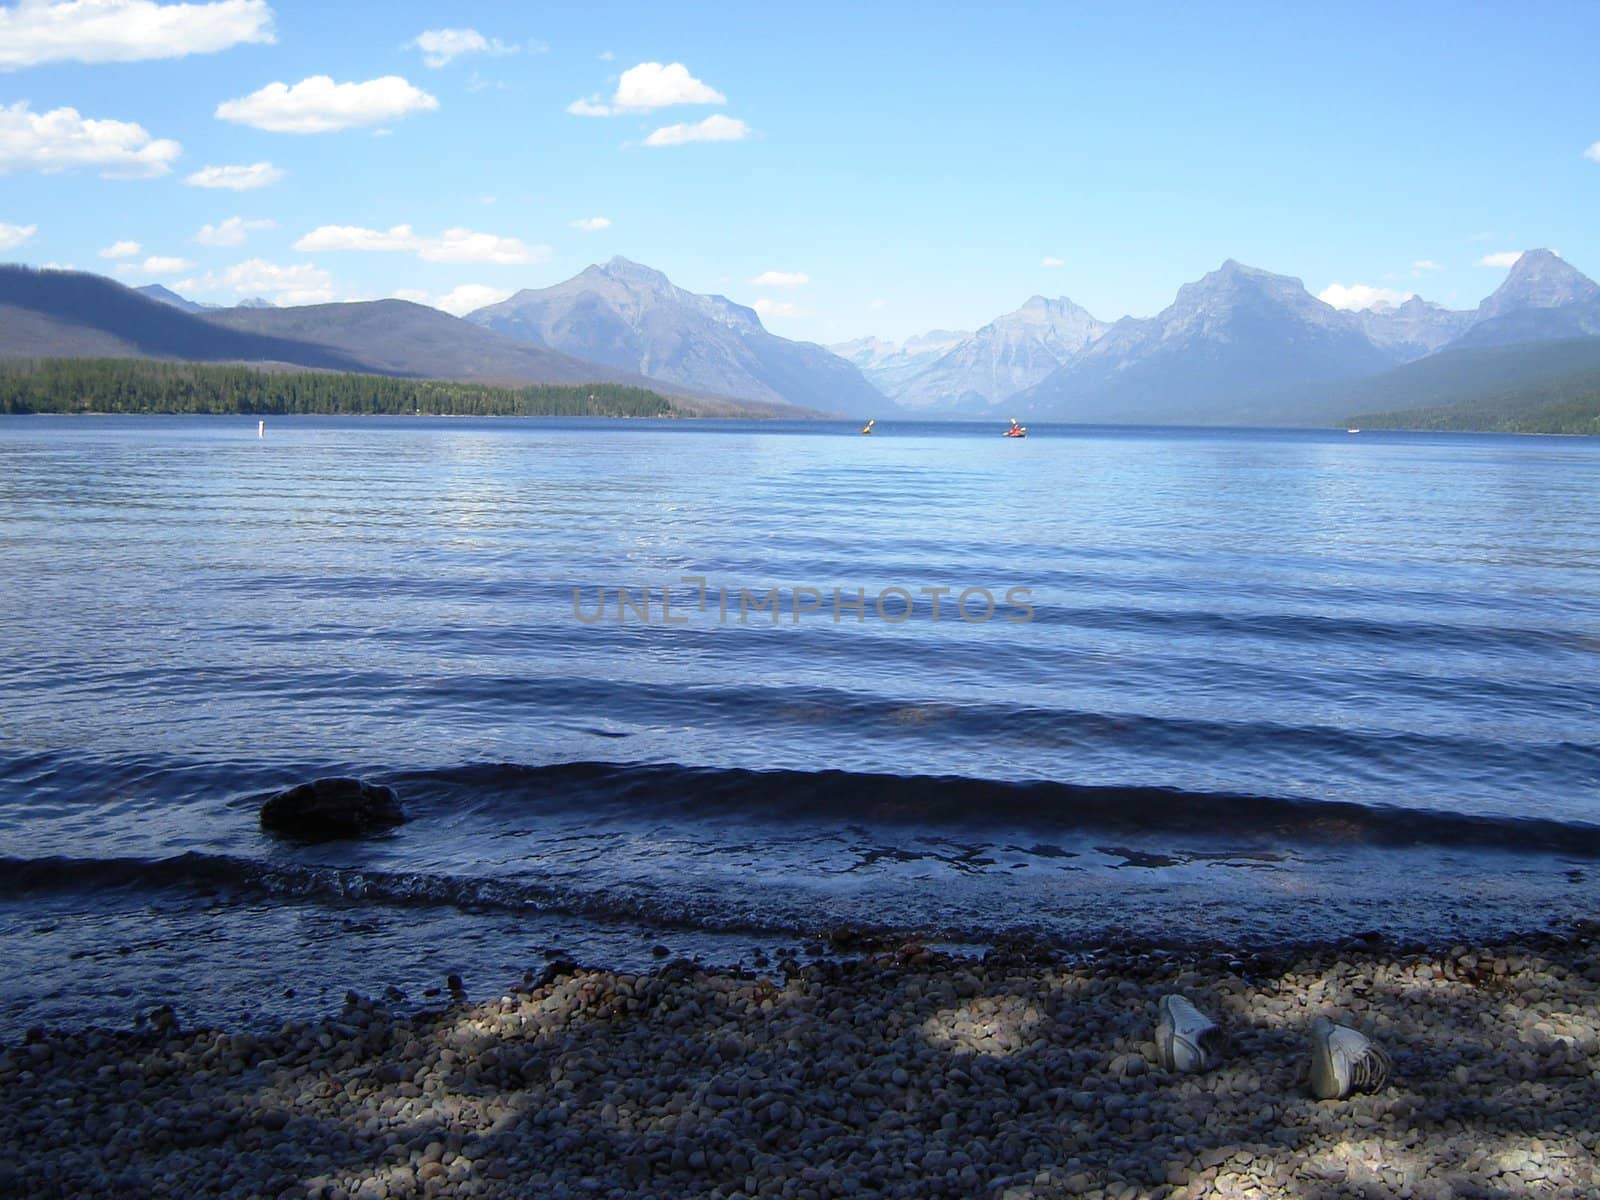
{"x":1005,"y":357}
{"x":1240,"y":345}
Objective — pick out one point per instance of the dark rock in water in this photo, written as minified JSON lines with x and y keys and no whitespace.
{"x":332,"y":808}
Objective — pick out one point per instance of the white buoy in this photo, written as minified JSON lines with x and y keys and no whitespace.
{"x":261,"y":429}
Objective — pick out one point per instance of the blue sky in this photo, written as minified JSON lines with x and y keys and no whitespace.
{"x":920,"y":165}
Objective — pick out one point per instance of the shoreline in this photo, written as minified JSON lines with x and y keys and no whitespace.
{"x":905,"y":1072}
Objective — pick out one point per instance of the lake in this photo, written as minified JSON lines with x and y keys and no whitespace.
{"x":724,"y":686}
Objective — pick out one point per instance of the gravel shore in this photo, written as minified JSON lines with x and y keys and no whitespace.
{"x":901,"y":1074}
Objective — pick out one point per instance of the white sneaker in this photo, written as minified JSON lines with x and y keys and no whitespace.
{"x":1344,"y":1061}
{"x":1187,"y":1039}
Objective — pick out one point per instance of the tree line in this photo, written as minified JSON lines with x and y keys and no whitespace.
{"x":132,"y":385}
{"x":1570,"y":406}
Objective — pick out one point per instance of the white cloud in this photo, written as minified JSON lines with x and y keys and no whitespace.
{"x":781,"y":279}
{"x":878,"y":304}
{"x":651,"y":85}
{"x":12,"y":236}
{"x":440,"y":46}
{"x":238,"y":179}
{"x":1505,"y":258}
{"x":234,"y":231}
{"x":469,"y":297}
{"x":1426,"y":264}
{"x":1050,"y":260}
{"x":1360,"y":295}
{"x":121,"y":250}
{"x":160,"y":265}
{"x":1593,"y":153}
{"x":298,"y":283}
{"x":464,"y":246}
{"x":154,"y":265}
{"x":353,"y":237}
{"x":62,"y":139}
{"x":458,"y":301}
{"x":42,"y":31}
{"x":716,"y":128}
{"x":452,"y":246}
{"x":775,"y":308}
{"x":319,"y":105}
{"x":592,"y":224}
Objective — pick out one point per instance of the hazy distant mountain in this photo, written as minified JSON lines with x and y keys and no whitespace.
{"x":1006,"y":356}
{"x":889,"y":365}
{"x":167,"y":296}
{"x":1236,"y":334}
{"x":1543,"y":298}
{"x":634,"y":319}
{"x":1414,"y":329}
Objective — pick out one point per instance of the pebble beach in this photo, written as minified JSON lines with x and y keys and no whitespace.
{"x":902,"y":1072}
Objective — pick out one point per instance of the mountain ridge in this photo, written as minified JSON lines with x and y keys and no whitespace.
{"x":632,"y":317}
{"x":1008,"y":355}
{"x":1236,"y":332}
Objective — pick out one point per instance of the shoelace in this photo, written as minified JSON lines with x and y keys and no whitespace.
{"x":1369,"y":1072}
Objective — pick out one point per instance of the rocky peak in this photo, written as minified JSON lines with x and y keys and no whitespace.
{"x":1539,"y":279}
{"x":627,"y":271}
{"x":1234,"y":281}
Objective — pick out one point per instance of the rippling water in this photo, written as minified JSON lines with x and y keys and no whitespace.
{"x":1271,"y":685}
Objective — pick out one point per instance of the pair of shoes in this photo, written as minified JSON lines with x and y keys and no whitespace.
{"x":1343,"y":1060}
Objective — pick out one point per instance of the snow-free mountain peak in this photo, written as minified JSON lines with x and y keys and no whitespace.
{"x":1236,"y":332}
{"x":1543,"y":298}
{"x":1539,"y":279}
{"x":1010,"y":353}
{"x":631,"y":316}
{"x":627,"y":271}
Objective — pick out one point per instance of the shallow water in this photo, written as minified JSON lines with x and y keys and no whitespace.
{"x":1269,"y":685}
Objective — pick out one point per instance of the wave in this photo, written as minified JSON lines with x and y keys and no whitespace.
{"x":692,"y":793}
{"x":236,"y":878}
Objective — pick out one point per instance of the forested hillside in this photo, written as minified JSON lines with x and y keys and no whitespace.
{"x":123,"y":385}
